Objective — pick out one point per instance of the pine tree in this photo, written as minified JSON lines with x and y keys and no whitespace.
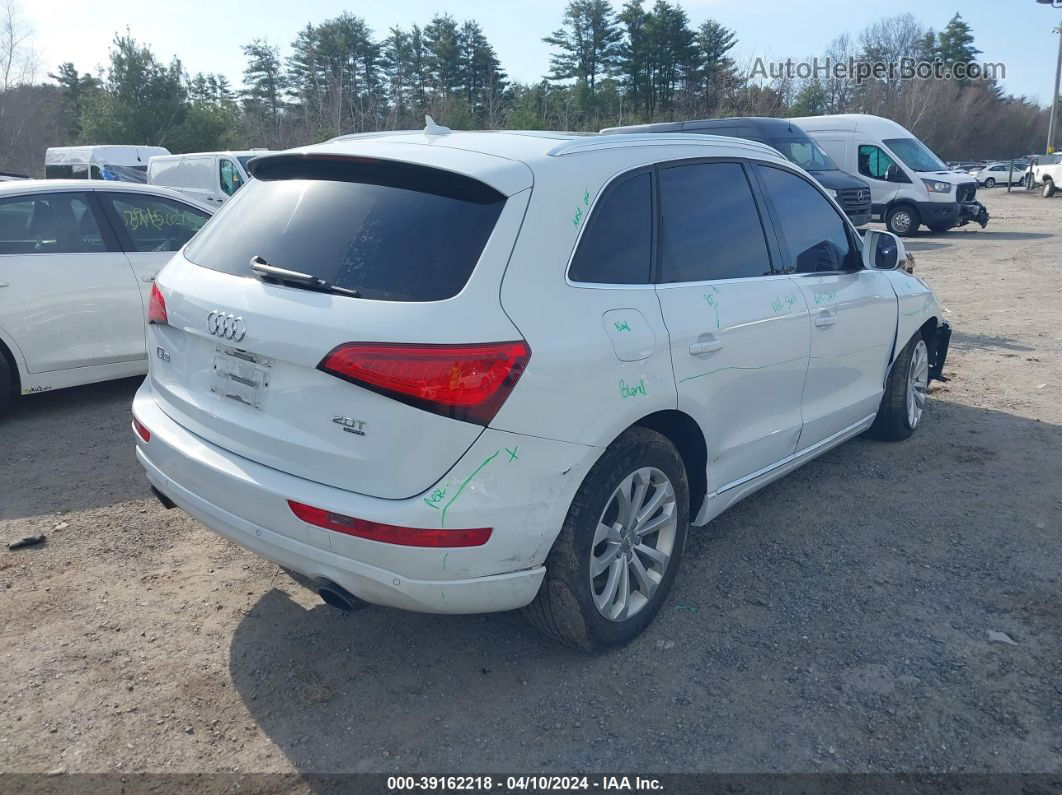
{"x":587,"y":43}
{"x":482,"y":78}
{"x":264,"y":80}
{"x":717,"y":72}
{"x":444,"y":54}
{"x":955,"y":42}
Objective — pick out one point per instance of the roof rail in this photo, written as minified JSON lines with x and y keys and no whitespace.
{"x":628,"y":140}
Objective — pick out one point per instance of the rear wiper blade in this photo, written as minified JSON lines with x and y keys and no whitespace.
{"x":264,"y":269}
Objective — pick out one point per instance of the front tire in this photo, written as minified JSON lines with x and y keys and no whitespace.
{"x":617,"y":554}
{"x":905,"y":395}
{"x":1048,"y":190}
{"x":902,"y":220}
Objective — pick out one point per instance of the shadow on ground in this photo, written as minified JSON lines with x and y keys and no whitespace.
{"x":95,"y":466}
{"x":837,"y":620}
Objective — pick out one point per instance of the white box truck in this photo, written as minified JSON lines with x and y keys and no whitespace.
{"x":909,"y":185}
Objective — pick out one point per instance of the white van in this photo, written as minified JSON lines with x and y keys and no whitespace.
{"x":909,"y":185}
{"x":209,"y":177}
{"x":118,"y":163}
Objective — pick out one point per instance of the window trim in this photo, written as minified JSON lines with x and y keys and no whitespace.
{"x":125,"y":241}
{"x":774,"y":251}
{"x":110,"y":241}
{"x":854,"y":238}
{"x":610,"y":185}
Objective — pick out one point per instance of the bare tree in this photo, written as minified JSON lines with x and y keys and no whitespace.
{"x":18,"y":61}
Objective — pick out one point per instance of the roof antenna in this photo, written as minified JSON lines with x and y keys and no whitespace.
{"x":431,"y":128}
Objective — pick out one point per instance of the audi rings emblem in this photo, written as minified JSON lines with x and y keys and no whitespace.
{"x":226,"y":326}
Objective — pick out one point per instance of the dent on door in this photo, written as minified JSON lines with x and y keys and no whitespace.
{"x":632,"y":337}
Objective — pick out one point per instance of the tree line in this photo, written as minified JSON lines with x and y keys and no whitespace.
{"x":607,"y":67}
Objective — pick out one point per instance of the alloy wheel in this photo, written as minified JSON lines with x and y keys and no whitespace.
{"x":917,"y":383}
{"x":633,"y":544}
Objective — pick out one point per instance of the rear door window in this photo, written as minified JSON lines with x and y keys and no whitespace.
{"x":710,"y":226}
{"x":152,"y":223}
{"x":393,"y":232}
{"x":616,"y":247}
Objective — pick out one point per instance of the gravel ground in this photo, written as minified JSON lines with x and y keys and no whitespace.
{"x":839,"y":620}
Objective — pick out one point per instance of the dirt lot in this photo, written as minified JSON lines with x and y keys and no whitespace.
{"x":836,"y":621}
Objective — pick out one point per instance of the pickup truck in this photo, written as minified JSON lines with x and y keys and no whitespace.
{"x":1046,"y":171}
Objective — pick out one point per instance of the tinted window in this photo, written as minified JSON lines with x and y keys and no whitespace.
{"x":710,"y":227}
{"x":56,"y":223}
{"x":155,"y":224}
{"x":391,"y":232}
{"x":816,"y":235}
{"x":617,"y":245}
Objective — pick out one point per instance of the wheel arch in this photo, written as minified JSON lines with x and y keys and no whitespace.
{"x":13,"y":365}
{"x":684,"y":432}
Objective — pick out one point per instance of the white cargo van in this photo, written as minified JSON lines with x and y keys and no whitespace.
{"x":909,"y":185}
{"x":209,"y":177}
{"x":118,"y":163}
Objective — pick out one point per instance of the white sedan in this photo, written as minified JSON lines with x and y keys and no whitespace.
{"x":77,"y":259}
{"x":999,"y":174}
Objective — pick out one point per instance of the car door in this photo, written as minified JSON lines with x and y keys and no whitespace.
{"x":853,"y":310}
{"x":873,"y":164}
{"x":739,"y":330}
{"x":150,"y":229}
{"x":67,"y":295}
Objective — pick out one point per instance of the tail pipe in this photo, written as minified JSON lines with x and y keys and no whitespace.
{"x":339,"y":597}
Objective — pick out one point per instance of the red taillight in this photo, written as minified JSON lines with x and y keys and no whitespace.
{"x":157,"y":307}
{"x":141,"y":431}
{"x":388,"y":533}
{"x":466,"y":382}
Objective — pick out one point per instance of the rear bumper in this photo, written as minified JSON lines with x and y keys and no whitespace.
{"x":524,"y":500}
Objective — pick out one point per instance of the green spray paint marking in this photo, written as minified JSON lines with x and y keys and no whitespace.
{"x":578,"y":216}
{"x":586,"y":198}
{"x":476,"y":471}
{"x":436,"y":497}
{"x":780,"y":303}
{"x":825,"y":297}
{"x":444,"y":560}
{"x":512,"y":454}
{"x":761,"y":367}
{"x":624,"y":326}
{"x":632,"y":391}
{"x":713,"y":302}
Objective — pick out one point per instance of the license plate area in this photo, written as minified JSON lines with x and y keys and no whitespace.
{"x":240,"y":376}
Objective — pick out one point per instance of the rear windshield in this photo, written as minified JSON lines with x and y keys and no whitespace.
{"x":392,"y":232}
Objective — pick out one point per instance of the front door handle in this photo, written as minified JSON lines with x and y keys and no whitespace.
{"x":707,"y":346}
{"x":148,"y":278}
{"x":826,"y":319}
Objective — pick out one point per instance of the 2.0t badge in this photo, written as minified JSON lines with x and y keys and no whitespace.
{"x":226,"y":326}
{"x":350,"y":425}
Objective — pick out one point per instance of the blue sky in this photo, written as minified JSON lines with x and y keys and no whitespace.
{"x":207,"y":34}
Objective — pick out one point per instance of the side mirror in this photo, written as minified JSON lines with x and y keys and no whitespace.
{"x":893,"y":173}
{"x":882,"y":251}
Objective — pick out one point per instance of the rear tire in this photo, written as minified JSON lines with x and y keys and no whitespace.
{"x":1048,"y":189}
{"x":7,"y":387}
{"x":906,"y":390}
{"x":902,"y":220}
{"x":990,"y":182}
{"x":607,"y":575}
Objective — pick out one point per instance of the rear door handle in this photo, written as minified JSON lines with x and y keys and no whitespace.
{"x":826,"y":319}
{"x":707,"y":346}
{"x":148,"y":278}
